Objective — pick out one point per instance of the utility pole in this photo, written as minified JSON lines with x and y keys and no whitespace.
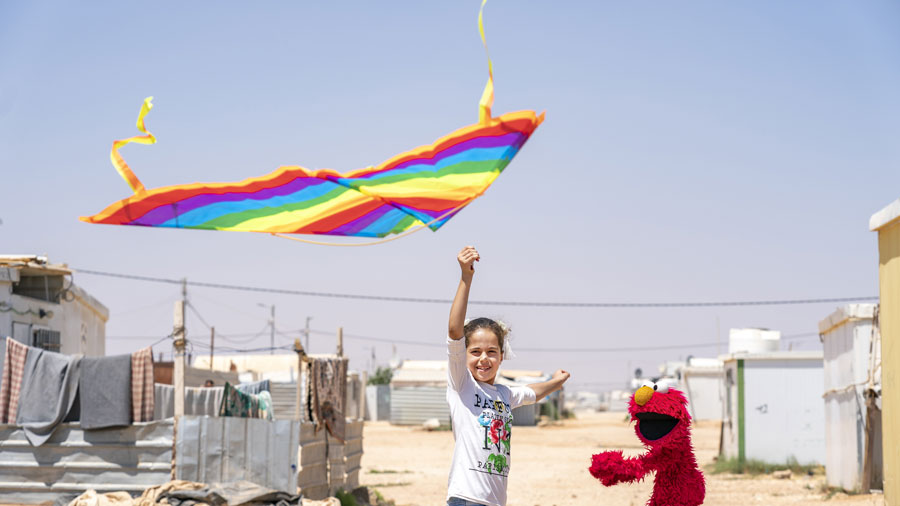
{"x":212,"y":346}
{"x":179,"y":335}
{"x":272,"y":332}
{"x":306,"y":331}
{"x":718,"y":338}
{"x":298,"y":400}
{"x":340,"y":342}
{"x":184,"y":300}
{"x":271,"y":326}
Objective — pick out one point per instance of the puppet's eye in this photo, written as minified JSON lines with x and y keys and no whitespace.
{"x":648,"y":383}
{"x":662,"y":388}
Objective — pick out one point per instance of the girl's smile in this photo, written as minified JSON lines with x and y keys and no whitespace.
{"x":483,"y":355}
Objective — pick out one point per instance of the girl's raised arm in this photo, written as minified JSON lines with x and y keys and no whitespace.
{"x":466,"y":258}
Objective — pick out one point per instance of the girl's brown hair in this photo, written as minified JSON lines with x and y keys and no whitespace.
{"x":497,"y":328}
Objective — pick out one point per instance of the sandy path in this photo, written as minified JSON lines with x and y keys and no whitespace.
{"x":410,"y":466}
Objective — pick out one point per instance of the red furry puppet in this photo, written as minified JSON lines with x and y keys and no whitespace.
{"x":663,"y":424}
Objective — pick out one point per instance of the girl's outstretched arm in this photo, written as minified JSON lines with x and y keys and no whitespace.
{"x":546,"y":388}
{"x":466,"y":258}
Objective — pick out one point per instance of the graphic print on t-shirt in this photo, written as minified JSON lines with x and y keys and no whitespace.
{"x":496,"y":422}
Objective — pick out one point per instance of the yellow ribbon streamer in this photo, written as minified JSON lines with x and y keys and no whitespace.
{"x":487,"y":97}
{"x":117,"y":160}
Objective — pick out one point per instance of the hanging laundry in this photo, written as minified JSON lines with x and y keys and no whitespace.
{"x":105,"y":392}
{"x":237,"y":403}
{"x":328,"y":389}
{"x":11,"y":383}
{"x":254,"y":387}
{"x":266,"y":410}
{"x":197,"y":401}
{"x":49,"y":386}
{"x":142,"y":390}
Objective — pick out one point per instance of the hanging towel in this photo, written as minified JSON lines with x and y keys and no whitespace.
{"x":329,"y":389}
{"x":11,"y":383}
{"x":105,"y":392}
{"x":163,"y":402}
{"x":142,"y":390}
{"x":265,"y":405}
{"x":49,"y":385}
{"x":237,"y":403}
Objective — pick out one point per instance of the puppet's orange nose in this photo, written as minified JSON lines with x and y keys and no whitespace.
{"x":643,"y":395}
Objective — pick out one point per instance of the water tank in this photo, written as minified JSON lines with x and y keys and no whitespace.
{"x":753,"y":340}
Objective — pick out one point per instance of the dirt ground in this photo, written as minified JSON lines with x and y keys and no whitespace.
{"x":549,"y":467}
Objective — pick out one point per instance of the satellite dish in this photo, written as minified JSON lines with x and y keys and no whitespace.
{"x":638,"y":373}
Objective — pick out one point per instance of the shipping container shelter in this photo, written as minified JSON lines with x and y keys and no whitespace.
{"x":419,"y":392}
{"x":378,"y":402}
{"x":40,"y":306}
{"x":773,"y":410}
{"x":703,"y":387}
{"x":887,"y":223}
{"x":852,"y":353}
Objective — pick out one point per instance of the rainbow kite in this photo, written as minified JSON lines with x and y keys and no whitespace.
{"x":421,"y":188}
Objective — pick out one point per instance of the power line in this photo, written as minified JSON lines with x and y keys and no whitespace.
{"x":433,"y":344}
{"x":423,"y":300}
{"x":558,"y":349}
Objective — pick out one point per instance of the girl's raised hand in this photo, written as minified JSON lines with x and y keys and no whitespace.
{"x":467,"y":258}
{"x":561,"y":376}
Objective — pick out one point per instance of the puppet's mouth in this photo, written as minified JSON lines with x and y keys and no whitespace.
{"x":654,"y":426}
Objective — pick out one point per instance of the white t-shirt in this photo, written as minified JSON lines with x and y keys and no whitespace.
{"x":482,"y":423}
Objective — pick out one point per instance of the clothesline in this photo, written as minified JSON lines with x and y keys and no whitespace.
{"x":118,"y":390}
{"x":39,"y":389}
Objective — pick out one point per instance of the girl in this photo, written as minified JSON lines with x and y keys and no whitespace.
{"x":481,"y":412}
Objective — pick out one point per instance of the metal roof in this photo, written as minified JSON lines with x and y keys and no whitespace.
{"x":844,"y":313}
{"x":886,"y":216}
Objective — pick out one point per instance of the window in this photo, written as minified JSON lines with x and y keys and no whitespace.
{"x":40,"y":287}
{"x":46,"y":339}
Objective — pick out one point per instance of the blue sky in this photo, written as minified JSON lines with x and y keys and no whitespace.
{"x":692,"y":151}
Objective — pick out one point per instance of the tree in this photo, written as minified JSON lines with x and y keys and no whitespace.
{"x":382,"y":376}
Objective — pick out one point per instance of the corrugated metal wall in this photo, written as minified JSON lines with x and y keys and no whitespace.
{"x":284,"y":400}
{"x":73,"y":460}
{"x":213,"y":449}
{"x":414,"y":405}
{"x":526,"y":415}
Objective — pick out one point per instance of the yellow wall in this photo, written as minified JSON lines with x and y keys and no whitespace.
{"x":889,"y":274}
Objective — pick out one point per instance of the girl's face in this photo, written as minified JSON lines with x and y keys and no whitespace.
{"x":483,"y":355}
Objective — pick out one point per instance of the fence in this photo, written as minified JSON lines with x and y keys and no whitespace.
{"x":73,"y":460}
{"x":326,"y":464}
{"x":313,"y":476}
{"x":213,"y":449}
{"x":281,"y":454}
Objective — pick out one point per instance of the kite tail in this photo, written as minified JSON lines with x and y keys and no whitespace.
{"x":487,"y":96}
{"x":117,"y":160}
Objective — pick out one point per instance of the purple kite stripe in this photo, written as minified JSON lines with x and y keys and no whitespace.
{"x":166,"y":212}
{"x":510,"y":139}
